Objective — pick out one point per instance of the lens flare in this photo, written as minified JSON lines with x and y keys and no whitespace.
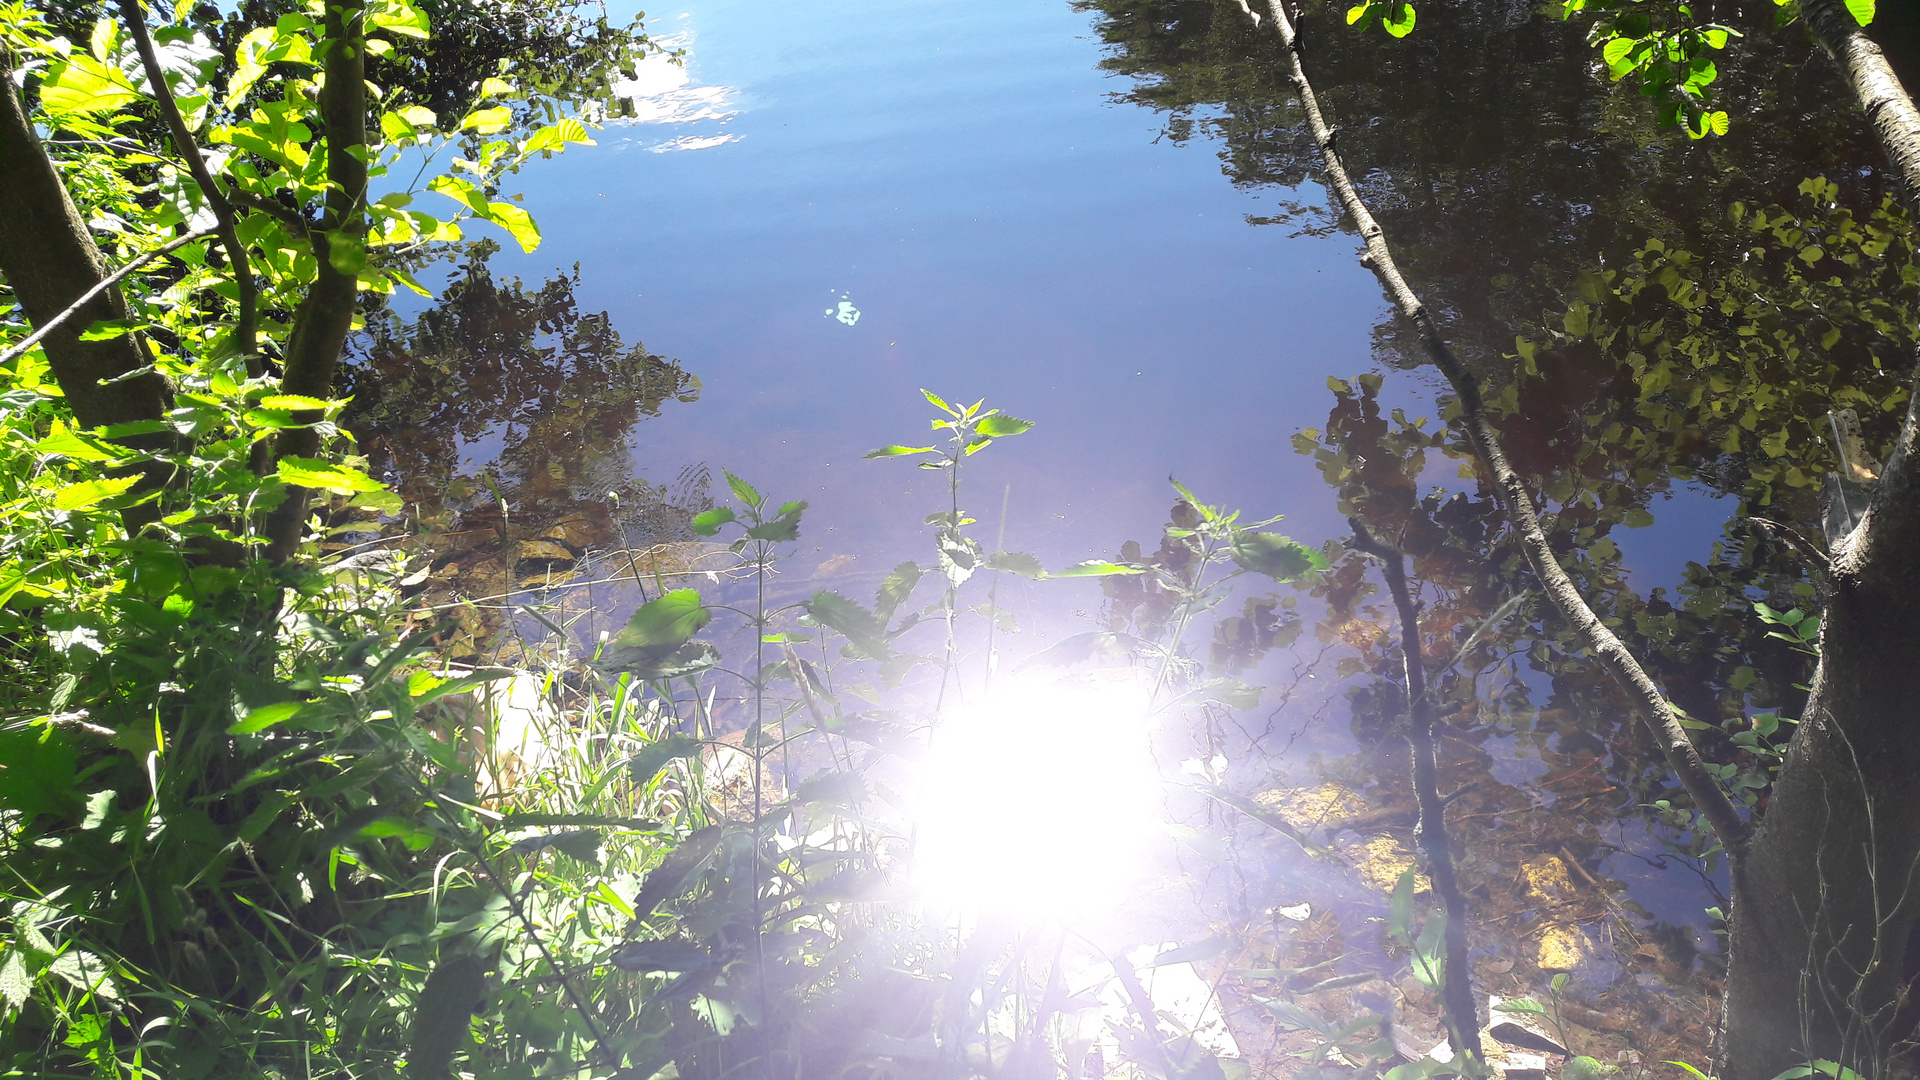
{"x":1037,"y":800}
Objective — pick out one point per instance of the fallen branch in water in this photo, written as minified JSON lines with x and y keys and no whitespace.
{"x":1650,"y":703}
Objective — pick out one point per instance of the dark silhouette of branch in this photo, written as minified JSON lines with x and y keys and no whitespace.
{"x":1456,"y":992}
{"x":245,"y":331}
{"x":20,"y":348}
{"x":1651,"y":705}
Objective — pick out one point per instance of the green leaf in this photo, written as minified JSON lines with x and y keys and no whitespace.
{"x":83,"y":84}
{"x":399,"y":17}
{"x":314,"y":473}
{"x":1017,"y":562}
{"x":517,"y":222}
{"x":1098,"y":568}
{"x":108,"y":329}
{"x":998,"y":427}
{"x":709,"y":522}
{"x":861,"y":629}
{"x":1275,"y":556}
{"x":346,"y":252}
{"x":1400,"y":909}
{"x":1357,"y":12}
{"x":1691,"y":1071}
{"x":894,"y":591}
{"x":938,"y":402}
{"x":91,"y":493}
{"x":1522,"y":1006}
{"x":1398,"y":20}
{"x":443,"y":1016}
{"x":747,"y":494}
{"x":1861,"y":10}
{"x":895,"y":451}
{"x":666,"y":622}
{"x":653,"y":757}
{"x":267,"y":716}
{"x":664,"y":882}
{"x":488,"y":121}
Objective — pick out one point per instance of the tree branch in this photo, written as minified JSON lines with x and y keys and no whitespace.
{"x":245,"y":331}
{"x":21,"y":347}
{"x":1456,"y":992}
{"x":1651,"y":705}
{"x":321,"y":324}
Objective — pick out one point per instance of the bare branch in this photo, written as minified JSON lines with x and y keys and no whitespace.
{"x":245,"y":331}
{"x":87,"y":297}
{"x":1682,"y":756}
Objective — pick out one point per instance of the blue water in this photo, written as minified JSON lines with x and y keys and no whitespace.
{"x":956,"y":174}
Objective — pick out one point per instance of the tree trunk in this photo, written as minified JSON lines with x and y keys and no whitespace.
{"x":49,"y":260}
{"x":321,"y":324}
{"x":1823,"y":901}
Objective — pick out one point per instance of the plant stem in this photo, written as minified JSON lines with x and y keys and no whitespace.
{"x":1463,"y":1026}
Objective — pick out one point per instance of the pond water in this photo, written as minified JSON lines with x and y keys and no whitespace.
{"x":826,"y":209}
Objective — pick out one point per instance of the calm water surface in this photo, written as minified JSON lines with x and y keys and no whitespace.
{"x":955,"y":174}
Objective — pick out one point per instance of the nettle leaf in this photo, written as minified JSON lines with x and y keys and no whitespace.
{"x":666,"y":622}
{"x":1275,"y":556}
{"x":861,"y":629}
{"x":1017,"y":562}
{"x":91,"y":493}
{"x":709,"y":522}
{"x":314,"y":473}
{"x":646,"y":764}
{"x":894,"y":591}
{"x":895,"y":451}
{"x":443,"y":1015}
{"x":661,"y":956}
{"x":1861,"y":10}
{"x":745,"y":492}
{"x":997,"y":427}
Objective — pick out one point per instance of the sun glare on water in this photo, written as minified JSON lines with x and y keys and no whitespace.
{"x":1038,"y":800}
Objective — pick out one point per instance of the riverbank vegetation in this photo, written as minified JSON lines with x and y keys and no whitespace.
{"x":305,"y":773}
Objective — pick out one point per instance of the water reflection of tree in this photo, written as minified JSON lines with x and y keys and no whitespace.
{"x":498,"y":371}
{"x":1500,"y":164}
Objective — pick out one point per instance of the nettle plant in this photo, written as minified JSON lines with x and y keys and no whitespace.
{"x":781,"y":929}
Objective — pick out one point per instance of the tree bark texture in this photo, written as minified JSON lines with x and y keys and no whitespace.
{"x":50,"y":261}
{"x":1826,"y":896}
{"x":321,"y":323}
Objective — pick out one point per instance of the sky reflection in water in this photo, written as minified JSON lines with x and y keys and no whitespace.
{"x":955,"y":174}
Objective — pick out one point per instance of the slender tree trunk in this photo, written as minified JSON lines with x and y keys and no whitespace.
{"x":321,"y":324}
{"x":49,"y":260}
{"x":1825,"y":898}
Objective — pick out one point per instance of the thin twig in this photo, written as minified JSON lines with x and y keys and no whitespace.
{"x":88,"y":297}
{"x":245,"y":331}
{"x":1651,"y":704}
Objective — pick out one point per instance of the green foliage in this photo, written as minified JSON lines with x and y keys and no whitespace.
{"x":1396,"y":18}
{"x":1665,"y":49}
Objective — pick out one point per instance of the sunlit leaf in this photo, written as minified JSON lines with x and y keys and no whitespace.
{"x":314,"y":473}
{"x":83,"y":84}
{"x":91,"y":493}
{"x":665,"y":622}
